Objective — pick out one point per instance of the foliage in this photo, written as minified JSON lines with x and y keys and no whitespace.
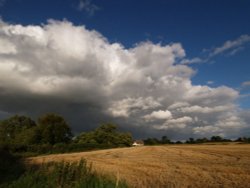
{"x":243,"y":139}
{"x":106,"y":134}
{"x":17,"y":129}
{"x":155,"y":141}
{"x":64,"y":175}
{"x":53,"y":129}
{"x":52,"y":134}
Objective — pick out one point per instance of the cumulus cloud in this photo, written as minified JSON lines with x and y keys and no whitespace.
{"x":160,"y":114}
{"x":178,"y":123}
{"x":199,"y":109}
{"x":125,"y":107}
{"x":68,"y":69}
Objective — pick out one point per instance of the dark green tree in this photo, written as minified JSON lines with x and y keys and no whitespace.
{"x":17,"y":130}
{"x":105,"y":134}
{"x":165,"y":140}
{"x":152,"y":141}
{"x":53,"y":129}
{"x":216,"y":139}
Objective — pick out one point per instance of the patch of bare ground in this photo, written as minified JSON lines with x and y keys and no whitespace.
{"x":170,"y":165}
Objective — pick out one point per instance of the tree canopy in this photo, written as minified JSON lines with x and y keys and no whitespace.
{"x":17,"y":129}
{"x":53,"y":128}
{"x":106,"y":134}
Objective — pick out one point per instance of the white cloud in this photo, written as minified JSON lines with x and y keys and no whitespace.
{"x":125,"y":107}
{"x":87,"y":6}
{"x":245,"y":84}
{"x":210,"y":82}
{"x":171,"y":126}
{"x":236,"y":50}
{"x":199,"y":109}
{"x":178,"y":105}
{"x":229,"y":124}
{"x":160,"y":114}
{"x":208,"y":130}
{"x":6,"y":47}
{"x":66,"y":68}
{"x":178,"y":123}
{"x":195,"y":60}
{"x":184,"y":119}
{"x":231,"y":45}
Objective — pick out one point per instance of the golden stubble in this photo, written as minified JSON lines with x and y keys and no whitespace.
{"x":169,"y":166}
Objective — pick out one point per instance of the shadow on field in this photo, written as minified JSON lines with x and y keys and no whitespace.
{"x":14,"y":174}
{"x":11,"y":167}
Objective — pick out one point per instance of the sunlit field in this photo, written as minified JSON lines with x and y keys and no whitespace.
{"x":169,"y":166}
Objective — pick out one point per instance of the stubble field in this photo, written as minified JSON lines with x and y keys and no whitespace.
{"x":169,"y":166}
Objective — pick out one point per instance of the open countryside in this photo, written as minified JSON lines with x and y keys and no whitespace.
{"x":124,"y":94}
{"x":214,"y":165}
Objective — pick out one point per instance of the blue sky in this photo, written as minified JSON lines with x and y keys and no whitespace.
{"x":197,"y":25}
{"x":214,"y":34}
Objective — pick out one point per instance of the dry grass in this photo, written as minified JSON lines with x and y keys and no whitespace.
{"x":170,"y":166}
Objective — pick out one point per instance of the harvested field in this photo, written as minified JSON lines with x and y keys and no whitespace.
{"x":171,"y":165}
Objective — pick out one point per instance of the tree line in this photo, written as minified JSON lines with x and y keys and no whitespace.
{"x":166,"y":140}
{"x":52,"y":134}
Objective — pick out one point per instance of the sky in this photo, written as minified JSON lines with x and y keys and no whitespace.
{"x":164,"y":67}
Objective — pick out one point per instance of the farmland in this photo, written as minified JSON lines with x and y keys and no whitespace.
{"x":169,"y":166}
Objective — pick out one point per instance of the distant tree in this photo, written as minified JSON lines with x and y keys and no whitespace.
{"x":201,"y":140}
{"x":178,"y":142}
{"x":53,"y":129}
{"x":152,"y":141}
{"x":105,"y":134}
{"x":216,"y":139}
{"x":17,"y":130}
{"x":165,"y":140}
{"x":125,"y":139}
{"x":241,"y":139}
{"x":190,"y":141}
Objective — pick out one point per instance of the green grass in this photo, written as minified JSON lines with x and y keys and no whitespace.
{"x":63,"y":175}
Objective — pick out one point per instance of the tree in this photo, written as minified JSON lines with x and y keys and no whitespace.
{"x":152,"y":141}
{"x":105,"y":134}
{"x":165,"y":140}
{"x":53,"y":129}
{"x":202,"y":140}
{"x":17,"y":130}
{"x":216,"y":139}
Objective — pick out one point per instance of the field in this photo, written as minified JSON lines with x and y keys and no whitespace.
{"x":169,"y":166}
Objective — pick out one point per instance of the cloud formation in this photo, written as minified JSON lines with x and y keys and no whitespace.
{"x":160,"y":114}
{"x":88,"y":7}
{"x":70,"y":70}
{"x":231,"y":47}
{"x":245,"y":84}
